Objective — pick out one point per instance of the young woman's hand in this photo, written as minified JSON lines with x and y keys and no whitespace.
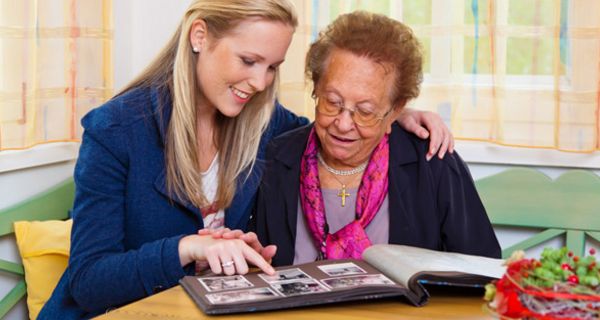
{"x":250,"y":238}
{"x":426,"y":124}
{"x":228,"y":256}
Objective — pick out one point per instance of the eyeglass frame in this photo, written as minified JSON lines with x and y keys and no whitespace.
{"x":341,"y":107}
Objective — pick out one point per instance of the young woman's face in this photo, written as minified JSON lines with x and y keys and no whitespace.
{"x":234,"y":68}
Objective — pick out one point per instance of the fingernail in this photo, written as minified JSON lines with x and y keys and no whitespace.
{"x":428,"y":157}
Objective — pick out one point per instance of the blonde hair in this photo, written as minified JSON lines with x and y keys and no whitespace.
{"x":237,"y":138}
{"x":377,"y":37}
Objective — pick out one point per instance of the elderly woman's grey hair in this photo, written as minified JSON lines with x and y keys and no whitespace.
{"x":382,"y":39}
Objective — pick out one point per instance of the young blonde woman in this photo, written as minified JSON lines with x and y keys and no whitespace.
{"x":180,"y":150}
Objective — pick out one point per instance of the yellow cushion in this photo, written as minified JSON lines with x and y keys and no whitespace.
{"x":44,"y":248}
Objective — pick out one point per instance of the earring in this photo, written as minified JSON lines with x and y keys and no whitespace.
{"x":196,"y":50}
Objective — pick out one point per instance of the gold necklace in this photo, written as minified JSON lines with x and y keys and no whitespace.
{"x":342,"y":192}
{"x":335,"y":172}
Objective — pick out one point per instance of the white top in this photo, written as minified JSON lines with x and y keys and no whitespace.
{"x":212,"y":218}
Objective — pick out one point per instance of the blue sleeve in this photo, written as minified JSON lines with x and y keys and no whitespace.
{"x":283,"y":120}
{"x":103,"y":273}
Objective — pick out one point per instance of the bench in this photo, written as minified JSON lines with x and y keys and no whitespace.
{"x":568,"y":206}
{"x":53,"y":204}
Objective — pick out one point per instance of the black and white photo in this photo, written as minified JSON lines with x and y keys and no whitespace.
{"x":225,"y":283}
{"x":286,"y":275}
{"x":354,"y":281}
{"x":341,"y":269}
{"x":294,"y":288}
{"x":241,"y":296}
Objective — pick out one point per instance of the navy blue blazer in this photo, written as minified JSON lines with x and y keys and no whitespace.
{"x":432,"y":204}
{"x":126,"y":231}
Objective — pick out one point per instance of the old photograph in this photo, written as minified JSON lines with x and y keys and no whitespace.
{"x":248,"y":295}
{"x":342,"y":269}
{"x":299,"y":287}
{"x":353,"y":281}
{"x":285,"y":275}
{"x":225,"y":283}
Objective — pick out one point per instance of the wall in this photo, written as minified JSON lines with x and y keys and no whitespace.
{"x":141,"y":28}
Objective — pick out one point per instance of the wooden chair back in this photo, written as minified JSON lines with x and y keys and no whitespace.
{"x":53,"y":204}
{"x":526,"y":198}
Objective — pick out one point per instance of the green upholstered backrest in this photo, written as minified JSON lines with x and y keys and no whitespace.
{"x":51,"y":204}
{"x":526,"y":198}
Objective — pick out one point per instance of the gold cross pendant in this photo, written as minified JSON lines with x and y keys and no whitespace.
{"x":343,"y":195}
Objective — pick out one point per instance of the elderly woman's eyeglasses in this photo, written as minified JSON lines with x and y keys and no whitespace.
{"x":360,"y":116}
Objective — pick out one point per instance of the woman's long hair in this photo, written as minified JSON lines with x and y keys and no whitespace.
{"x":237,"y":138}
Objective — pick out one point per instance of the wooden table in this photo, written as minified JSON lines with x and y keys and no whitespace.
{"x":444,"y":304}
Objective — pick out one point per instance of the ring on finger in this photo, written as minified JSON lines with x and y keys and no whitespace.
{"x":227,"y":264}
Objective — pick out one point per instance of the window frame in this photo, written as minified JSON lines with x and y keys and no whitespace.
{"x":40,"y":155}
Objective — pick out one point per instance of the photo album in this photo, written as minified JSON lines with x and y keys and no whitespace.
{"x":386,"y":271}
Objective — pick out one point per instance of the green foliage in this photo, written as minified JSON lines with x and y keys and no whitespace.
{"x":490,"y":292}
{"x":561,"y":269}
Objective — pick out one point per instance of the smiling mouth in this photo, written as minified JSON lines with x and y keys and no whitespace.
{"x":240,"y":94}
{"x":342,"y":139}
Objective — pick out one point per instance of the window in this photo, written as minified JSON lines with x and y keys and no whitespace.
{"x":510,"y":72}
{"x":56,"y":61}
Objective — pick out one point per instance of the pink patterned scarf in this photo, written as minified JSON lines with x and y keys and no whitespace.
{"x":351,"y":240}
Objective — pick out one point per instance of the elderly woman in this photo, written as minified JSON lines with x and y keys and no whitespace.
{"x":354,"y":178}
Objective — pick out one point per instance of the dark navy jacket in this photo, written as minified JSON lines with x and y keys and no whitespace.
{"x":126,"y":231}
{"x":432,"y":204}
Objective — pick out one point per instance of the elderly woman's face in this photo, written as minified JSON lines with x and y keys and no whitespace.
{"x":359,"y":84}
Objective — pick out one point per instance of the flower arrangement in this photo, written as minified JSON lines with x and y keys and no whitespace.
{"x":560,"y":285}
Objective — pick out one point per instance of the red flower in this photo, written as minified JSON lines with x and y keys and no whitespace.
{"x":515,"y":267}
{"x":566,"y":266}
{"x":573,"y":279}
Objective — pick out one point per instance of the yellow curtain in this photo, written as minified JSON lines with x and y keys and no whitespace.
{"x":56,"y":62}
{"x":512,"y":72}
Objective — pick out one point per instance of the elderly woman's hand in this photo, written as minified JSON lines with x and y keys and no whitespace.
{"x":228,"y":256}
{"x":426,"y":124}
{"x":250,"y":238}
